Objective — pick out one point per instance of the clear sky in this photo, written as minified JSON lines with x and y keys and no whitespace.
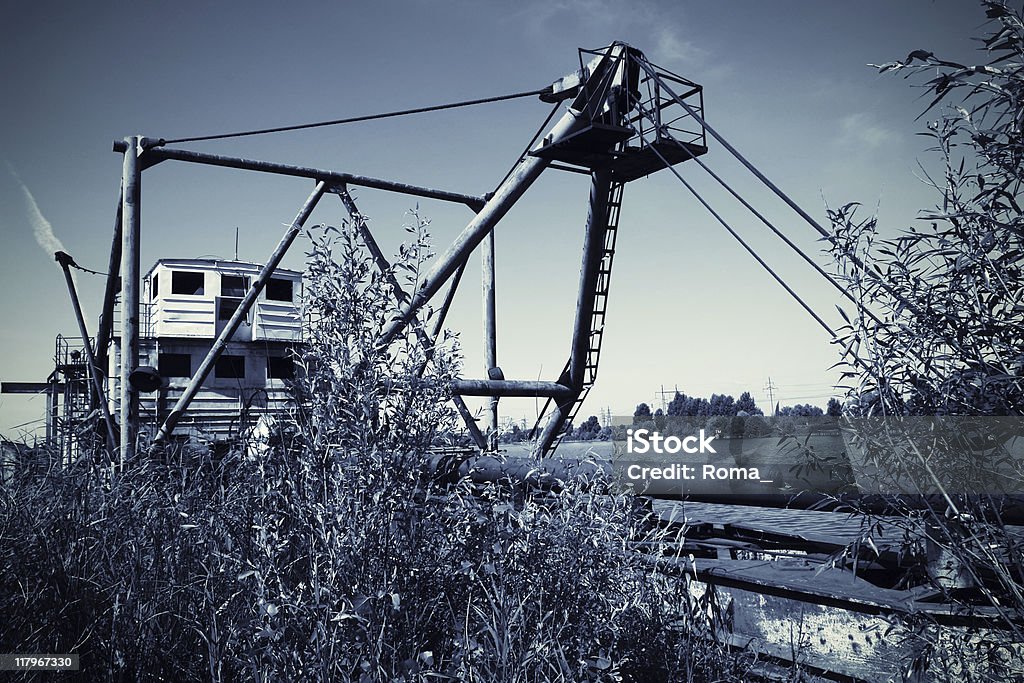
{"x":786,"y":82}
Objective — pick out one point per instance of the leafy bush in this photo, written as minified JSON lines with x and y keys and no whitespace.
{"x":950,"y":296}
{"x":327,"y":552}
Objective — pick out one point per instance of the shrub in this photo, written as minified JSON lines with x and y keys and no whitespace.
{"x":329,"y":553}
{"x":950,"y":295}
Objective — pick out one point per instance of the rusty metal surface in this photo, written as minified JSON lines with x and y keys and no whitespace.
{"x":509,"y":387}
{"x":131,"y":181}
{"x":236,"y":319}
{"x":157,"y":154}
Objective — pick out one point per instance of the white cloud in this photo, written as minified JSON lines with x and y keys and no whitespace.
{"x":861,"y":129}
{"x":618,"y":21}
{"x":670,"y":49}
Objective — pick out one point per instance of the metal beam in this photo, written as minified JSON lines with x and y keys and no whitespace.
{"x":517,"y":182}
{"x":442,"y":313}
{"x":53,"y":409}
{"x":490,"y":333}
{"x":593,"y":243}
{"x":106,"y":322}
{"x":509,"y":387}
{"x":334,"y":177}
{"x":27,"y":387}
{"x":131,"y":182}
{"x":426,"y":342}
{"x":65,"y":262}
{"x":240,"y":313}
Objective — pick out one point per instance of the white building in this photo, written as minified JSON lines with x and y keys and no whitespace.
{"x":186,"y":303}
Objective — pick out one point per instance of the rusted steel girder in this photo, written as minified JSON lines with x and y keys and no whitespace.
{"x":426,"y":341}
{"x":509,"y":387}
{"x":157,"y":154}
{"x":593,"y":243}
{"x":240,"y":313}
{"x":66,"y":262}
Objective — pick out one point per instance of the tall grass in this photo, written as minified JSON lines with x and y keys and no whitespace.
{"x":328,"y":552}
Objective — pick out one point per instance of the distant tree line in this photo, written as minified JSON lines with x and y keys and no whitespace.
{"x":681,"y":406}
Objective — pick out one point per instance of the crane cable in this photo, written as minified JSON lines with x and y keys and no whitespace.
{"x":821,"y":271}
{"x":751,"y":251}
{"x":529,"y":145}
{"x":357,"y":119}
{"x":774,"y":188}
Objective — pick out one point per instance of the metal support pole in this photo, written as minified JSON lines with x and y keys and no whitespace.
{"x":490,"y":333}
{"x":442,"y":313}
{"x":240,"y":313}
{"x":131,"y":183}
{"x":593,"y":243}
{"x":525,"y":173}
{"x":384,"y":267}
{"x":65,"y":262}
{"x":510,"y":387}
{"x":52,"y":389}
{"x":334,"y":177}
{"x":106,"y":322}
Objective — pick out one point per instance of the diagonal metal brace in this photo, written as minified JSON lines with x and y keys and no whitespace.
{"x":425,"y":341}
{"x":236,"y":319}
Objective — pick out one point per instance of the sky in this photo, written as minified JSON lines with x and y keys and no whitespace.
{"x":787,"y":83}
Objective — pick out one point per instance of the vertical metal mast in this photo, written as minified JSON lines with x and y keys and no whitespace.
{"x":131,"y":182}
{"x":490,"y":335}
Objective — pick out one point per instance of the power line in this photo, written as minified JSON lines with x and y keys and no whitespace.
{"x":357,"y":119}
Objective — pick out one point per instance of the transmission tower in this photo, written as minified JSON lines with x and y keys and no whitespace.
{"x":771,"y":389}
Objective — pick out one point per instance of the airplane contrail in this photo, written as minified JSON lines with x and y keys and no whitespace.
{"x":42,"y":229}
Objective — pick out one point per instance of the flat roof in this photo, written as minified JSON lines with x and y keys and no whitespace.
{"x":225,"y":265}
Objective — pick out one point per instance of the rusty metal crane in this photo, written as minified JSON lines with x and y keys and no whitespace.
{"x":606,"y":133}
{"x":624,"y":120}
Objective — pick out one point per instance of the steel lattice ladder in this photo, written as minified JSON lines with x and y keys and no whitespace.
{"x":597,"y":319}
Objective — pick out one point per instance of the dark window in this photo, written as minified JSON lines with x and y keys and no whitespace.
{"x":187,"y":282}
{"x":233,"y":285}
{"x":175,"y":365}
{"x":280,"y":368}
{"x":154,"y":289}
{"x":230,"y":367}
{"x":279,"y":290}
{"x":227,"y":307}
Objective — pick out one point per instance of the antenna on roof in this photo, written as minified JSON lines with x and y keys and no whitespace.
{"x":236,"y":242}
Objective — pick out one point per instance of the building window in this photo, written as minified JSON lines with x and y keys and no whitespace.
{"x":280,"y":368}
{"x":175,"y":365}
{"x":230,"y":367}
{"x":154,"y":288}
{"x":233,"y":285}
{"x":227,"y":307}
{"x":279,"y":290}
{"x":188,"y":282}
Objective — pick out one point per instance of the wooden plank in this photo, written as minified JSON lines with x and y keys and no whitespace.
{"x":842,"y":626}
